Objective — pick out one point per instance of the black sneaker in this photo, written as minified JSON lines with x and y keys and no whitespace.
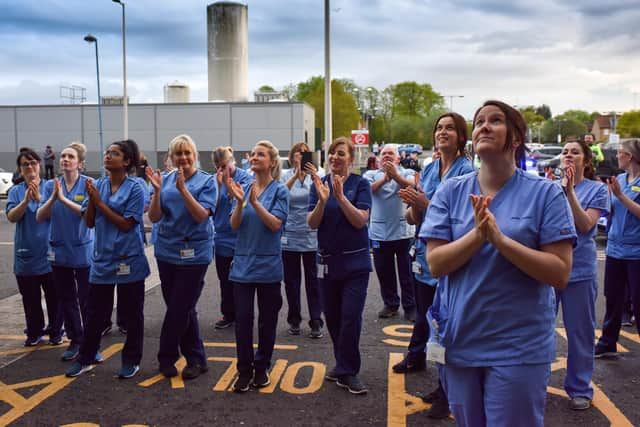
{"x":626,"y":320}
{"x":387,"y":312}
{"x":223,"y":323}
{"x":32,"y":342}
{"x":439,"y":408}
{"x":193,"y":371}
{"x":316,"y":332}
{"x":123,"y":330}
{"x":242,"y":383}
{"x":352,"y":383}
{"x":410,"y":316}
{"x":434,"y":395}
{"x":406,"y":365}
{"x":605,"y":351}
{"x":261,"y":379}
{"x":294,"y":330}
{"x":169,"y":371}
{"x":331,"y":375}
{"x":106,"y":330}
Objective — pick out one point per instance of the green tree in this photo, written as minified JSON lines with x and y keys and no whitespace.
{"x":568,"y":127}
{"x":579,"y":115}
{"x":266,"y":88}
{"x":629,"y":124}
{"x":544,"y":111}
{"x":413,"y":99}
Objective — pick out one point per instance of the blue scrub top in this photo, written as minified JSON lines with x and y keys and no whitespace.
{"x":429,"y":183}
{"x":147,"y":200}
{"x":181,"y":240}
{"x":31,"y":238}
{"x":491,"y":313}
{"x":257,"y":257}
{"x":623,"y":240}
{"x":387,"y":220}
{"x":71,"y":239}
{"x":590,"y":194}
{"x":343,"y":248}
{"x":298,"y":236}
{"x":225,"y":238}
{"x":118,"y":256}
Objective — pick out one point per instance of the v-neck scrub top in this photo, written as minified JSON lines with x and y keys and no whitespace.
{"x":623,"y":240}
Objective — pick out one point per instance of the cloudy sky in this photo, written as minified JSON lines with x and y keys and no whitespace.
{"x":565,"y":53}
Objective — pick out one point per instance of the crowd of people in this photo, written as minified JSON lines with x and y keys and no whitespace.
{"x":485,"y":259}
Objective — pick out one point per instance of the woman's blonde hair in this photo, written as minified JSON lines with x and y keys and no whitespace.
{"x":182,"y":140}
{"x":80,"y":149}
{"x":274,"y":155}
{"x":222,"y":155}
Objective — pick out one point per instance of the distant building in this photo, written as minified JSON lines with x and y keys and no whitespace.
{"x":113,"y":100}
{"x":602,"y":127}
{"x":176,"y":93}
{"x":274,"y":96}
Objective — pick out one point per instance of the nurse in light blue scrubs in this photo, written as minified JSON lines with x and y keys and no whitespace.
{"x":182,"y":203}
{"x":31,"y":243}
{"x":450,"y":135}
{"x":224,"y":239}
{"x":622,"y":266}
{"x":504,"y":240}
{"x":589,"y":199}
{"x":258,"y":216}
{"x":114,"y":207}
{"x":71,"y":242}
{"x":299,"y":244}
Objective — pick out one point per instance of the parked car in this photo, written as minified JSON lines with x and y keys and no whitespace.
{"x":538,"y":154}
{"x":553,"y":162}
{"x":5,"y":182}
{"x":410,"y":148}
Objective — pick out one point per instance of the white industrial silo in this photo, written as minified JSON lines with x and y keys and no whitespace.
{"x":176,"y":92}
{"x":228,"y":51}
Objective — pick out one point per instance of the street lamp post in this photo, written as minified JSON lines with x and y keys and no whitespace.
{"x":125,"y":107}
{"x":450,"y":99}
{"x":327,"y":79}
{"x":91,"y":39}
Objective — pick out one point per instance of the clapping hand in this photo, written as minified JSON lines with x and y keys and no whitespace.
{"x":155,"y":178}
{"x":180,"y":186}
{"x":235,"y":190}
{"x":93,"y":193}
{"x":614,"y":186}
{"x":322,"y":188}
{"x":338,"y":186}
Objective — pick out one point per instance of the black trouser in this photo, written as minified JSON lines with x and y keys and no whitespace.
{"x":29,"y":287}
{"x":223,"y":266}
{"x":292,"y":286}
{"x":424,"y":298}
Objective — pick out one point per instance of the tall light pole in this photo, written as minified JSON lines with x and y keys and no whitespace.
{"x":450,"y":99}
{"x":125,"y":107}
{"x":91,"y":39}
{"x":327,"y":80}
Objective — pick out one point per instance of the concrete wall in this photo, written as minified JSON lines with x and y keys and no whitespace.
{"x":152,"y":126}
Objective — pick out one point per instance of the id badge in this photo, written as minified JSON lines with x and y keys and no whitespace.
{"x":415,"y":267}
{"x":123,"y":269}
{"x":51,"y":255}
{"x":321,"y":270}
{"x":412,"y":252}
{"x":436,"y":352}
{"x":283,"y":240}
{"x":375,"y":244}
{"x":187,"y":253}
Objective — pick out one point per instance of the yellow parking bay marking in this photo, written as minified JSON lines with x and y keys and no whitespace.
{"x":400,"y":331}
{"x":317,"y":378}
{"x":20,"y":406}
{"x":563,"y":333}
{"x":225,"y":382}
{"x":630,"y":336}
{"x":233,"y":345}
{"x":275,"y":375}
{"x":176,"y":382}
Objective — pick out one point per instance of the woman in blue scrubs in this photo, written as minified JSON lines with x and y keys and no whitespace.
{"x":503,"y":239}
{"x":182,"y":204}
{"x":71,"y":242}
{"x":450,"y":136}
{"x":114,"y":207}
{"x":258,"y":215}
{"x":589,"y":199}
{"x":31,"y":242}
{"x":224,"y":239}
{"x":300,"y":243}
{"x":623,"y":247}
{"x":339,"y":206}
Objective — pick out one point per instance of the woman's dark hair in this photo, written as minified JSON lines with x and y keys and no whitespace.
{"x":461,"y":129}
{"x":131,"y":152}
{"x":27,"y":153}
{"x":589,"y":171}
{"x":372,"y":162}
{"x":516,"y":128}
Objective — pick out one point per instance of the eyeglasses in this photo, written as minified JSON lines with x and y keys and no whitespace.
{"x":112,"y":153}
{"x":32,"y":163}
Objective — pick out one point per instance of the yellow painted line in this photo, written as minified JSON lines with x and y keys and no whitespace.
{"x":397,"y":331}
{"x":396,"y":343}
{"x":621,"y":349}
{"x":22,"y":350}
{"x":225,"y":383}
{"x":176,"y":382}
{"x":233,"y":345}
{"x":630,"y":336}
{"x":6,"y":243}
{"x":317,"y":378}
{"x":275,"y":375}
{"x":400,"y":404}
{"x":12,"y":337}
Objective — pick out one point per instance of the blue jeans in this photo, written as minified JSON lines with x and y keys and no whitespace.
{"x":29,"y":287}
{"x":269,"y":304}
{"x":181,"y":288}
{"x":617,"y":273}
{"x":343,"y":304}
{"x":223,"y":265}
{"x":292,"y":284}
{"x":99,"y":307}
{"x":385,"y":258}
{"x":72,"y":286}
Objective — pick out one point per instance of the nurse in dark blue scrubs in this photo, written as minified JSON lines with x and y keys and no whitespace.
{"x":339,"y":207}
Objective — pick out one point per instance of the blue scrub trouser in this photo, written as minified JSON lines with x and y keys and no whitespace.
{"x":292,"y":284}
{"x":496,"y":396}
{"x":181,"y":288}
{"x":385,"y":258}
{"x":100,"y":306}
{"x":29,"y":287}
{"x":424,"y":294}
{"x":227,"y":306}
{"x":343,"y":304}
{"x":578,"y":301}
{"x":617,"y":273}
{"x":269,"y":304}
{"x":72,"y":286}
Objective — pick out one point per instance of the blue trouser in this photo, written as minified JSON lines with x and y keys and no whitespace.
{"x":385,"y":256}
{"x":181,"y":288}
{"x":72,"y":286}
{"x":424,"y":294}
{"x":223,"y":265}
{"x":292,"y":282}
{"x":498,"y":395}
{"x":578,"y":301}
{"x":99,"y":307}
{"x":343,"y":304}
{"x":29,"y":287}
{"x":269,"y":304}
{"x":617,"y":273}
